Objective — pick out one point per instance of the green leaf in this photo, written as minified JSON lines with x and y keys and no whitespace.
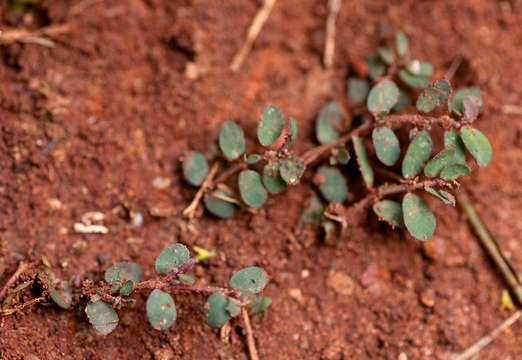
{"x":415,"y":81}
{"x":419,"y":151}
{"x":292,"y":132}
{"x":452,"y":172}
{"x":102,"y":317}
{"x":445,"y":196}
{"x":253,"y":158}
{"x":363,"y":161}
{"x":343,"y":156}
{"x":383,"y":97}
{"x":403,"y":102}
{"x":386,"y":145}
{"x":401,"y":43}
{"x":272,"y":180}
{"x":328,"y":121}
{"x":416,"y":67}
{"x":260,"y":304}
{"x":477,"y":144}
{"x":119,"y":273}
{"x":418,"y":218}
{"x":251,"y":189}
{"x":333,"y":185}
{"x":471,"y":106}
{"x":386,"y":54}
{"x":250,"y":280}
{"x":313,"y":212}
{"x":270,"y":126}
{"x":171,"y":258}
{"x":434,"y":95}
{"x":219,"y":207}
{"x":127,"y":288}
{"x":439,"y":162}
{"x":187,"y":279}
{"x":389,"y":211}
{"x":217,"y":314}
{"x":195,"y":168}
{"x":232,"y":307}
{"x":291,"y":170}
{"x":376,"y":68}
{"x":451,"y":138}
{"x":357,"y":89}
{"x":456,"y":105}
{"x":161,"y":310}
{"x":61,"y":294}
{"x":232,"y":140}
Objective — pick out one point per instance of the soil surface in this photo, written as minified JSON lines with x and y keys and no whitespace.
{"x":99,"y":122}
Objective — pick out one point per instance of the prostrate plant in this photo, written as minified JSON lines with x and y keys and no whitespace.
{"x":172,"y":266}
{"x":419,"y":170}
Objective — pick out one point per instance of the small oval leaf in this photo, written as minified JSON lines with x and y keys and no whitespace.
{"x":119,"y":273}
{"x":358,"y":89}
{"x":270,"y":125}
{"x":251,"y":189}
{"x":477,"y":144}
{"x":401,"y":43}
{"x":195,"y":168}
{"x":386,"y":54}
{"x":250,"y":280}
{"x":61,"y":294}
{"x":383,"y":97}
{"x":171,"y":258}
{"x":253,"y":158}
{"x":422,"y":68}
{"x":433,"y":96}
{"x":231,"y":140}
{"x":161,"y":310}
{"x":376,"y":68}
{"x":217,"y":315}
{"x":456,"y":103}
{"x":389,"y":211}
{"x":452,"y":172}
{"x":386,"y":145}
{"x":102,"y":317}
{"x":451,"y":138}
{"x":328,"y":122}
{"x":272,"y":180}
{"x":418,"y":218}
{"x":291,"y":170}
{"x":363,"y":161}
{"x":332,"y":185}
{"x":403,"y":102}
{"x":219,"y":207}
{"x":439,"y":162}
{"x":415,"y":81}
{"x":419,"y":151}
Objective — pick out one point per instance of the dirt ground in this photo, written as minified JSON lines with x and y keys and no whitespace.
{"x":89,"y":125}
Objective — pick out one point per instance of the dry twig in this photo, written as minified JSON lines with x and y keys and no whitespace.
{"x":250,"y":335}
{"x":22,"y":268}
{"x":191,"y":209}
{"x":484,"y":341}
{"x":8,"y":37}
{"x":329,"y":46}
{"x":254,"y":29}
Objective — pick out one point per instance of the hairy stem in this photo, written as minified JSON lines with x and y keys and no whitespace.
{"x":419,"y":120}
{"x":191,"y":209}
{"x":250,"y":335}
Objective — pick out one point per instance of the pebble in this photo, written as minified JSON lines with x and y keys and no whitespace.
{"x":402,"y":356}
{"x":163,"y":354}
{"x":341,"y":283}
{"x":161,"y":183}
{"x":427,"y":298}
{"x":137,"y":219}
{"x":296,"y":294}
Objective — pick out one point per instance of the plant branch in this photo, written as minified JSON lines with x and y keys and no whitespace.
{"x":250,"y":335}
{"x":484,"y":341}
{"x":329,"y":46}
{"x":225,"y":175}
{"x":491,"y":246}
{"x":191,"y":209}
{"x":254,"y":29}
{"x":22,"y":268}
{"x":313,"y":154}
{"x":419,"y":120}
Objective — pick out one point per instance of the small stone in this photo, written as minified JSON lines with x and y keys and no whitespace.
{"x":305,"y":273}
{"x":161,"y":183}
{"x":296,"y":294}
{"x":341,"y":283}
{"x":402,"y":356}
{"x":55,"y":204}
{"x":369,"y":275}
{"x":137,"y":219}
{"x":161,"y":209}
{"x":163,"y":354}
{"x":427,"y":298}
{"x":191,"y":71}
